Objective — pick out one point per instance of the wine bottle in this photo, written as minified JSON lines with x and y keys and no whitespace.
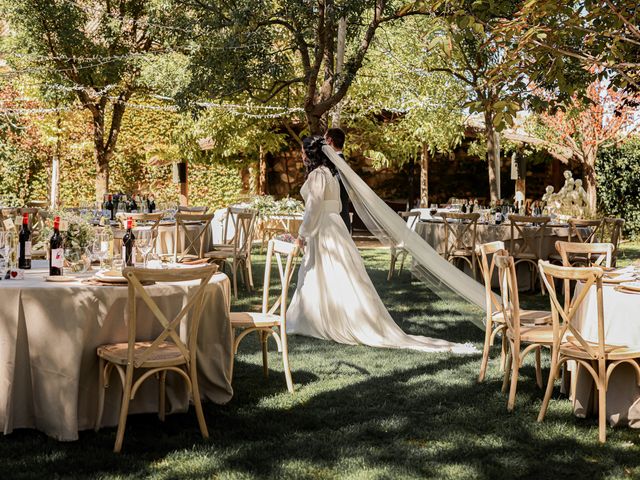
{"x":24,"y":244}
{"x":56,"y":252}
{"x":128,"y":242}
{"x":110,"y":207}
{"x":133,"y":206}
{"x":152,"y":203}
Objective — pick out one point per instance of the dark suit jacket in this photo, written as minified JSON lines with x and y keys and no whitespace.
{"x":344,"y":199}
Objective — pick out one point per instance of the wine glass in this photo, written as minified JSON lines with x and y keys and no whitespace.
{"x":145,"y":239}
{"x":101,"y":248}
{"x":434,"y":209}
{"x":4,"y":254}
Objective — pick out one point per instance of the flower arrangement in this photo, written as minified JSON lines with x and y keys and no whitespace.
{"x":266,"y":205}
{"x":286,"y":237}
{"x":78,"y":232}
{"x":570,"y":201}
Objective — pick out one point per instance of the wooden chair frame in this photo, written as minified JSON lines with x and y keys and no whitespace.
{"x":515,"y":338}
{"x":574,"y":254}
{"x":612,"y":233}
{"x":273,"y":324}
{"x":151,"y":220}
{"x":576,"y":224}
{"x":493,"y":324}
{"x":239,"y":250}
{"x":192,"y":209}
{"x":140,"y":355}
{"x":189,"y":242}
{"x":569,"y":344}
{"x":525,"y":243}
{"x":398,"y":251}
{"x":457,"y":226}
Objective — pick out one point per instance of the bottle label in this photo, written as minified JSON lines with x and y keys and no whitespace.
{"x":57,"y":257}
{"x":27,"y":250}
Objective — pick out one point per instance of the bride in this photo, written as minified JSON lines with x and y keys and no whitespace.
{"x":335,"y":298}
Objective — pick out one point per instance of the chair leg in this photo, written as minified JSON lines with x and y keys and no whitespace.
{"x":161,"y":395}
{"x":553,"y":372}
{"x":392,"y":266}
{"x":101,"y":393}
{"x":507,"y":370}
{"x":250,"y":273}
{"x":485,"y":352}
{"x":515,"y":370}
{"x":504,"y":350}
{"x":285,"y":360}
{"x":264,"y":338}
{"x":602,"y":402}
{"x":124,"y":409}
{"x":404,"y":256}
{"x":195,"y":390}
{"x":234,"y":273}
{"x":538,"y":368}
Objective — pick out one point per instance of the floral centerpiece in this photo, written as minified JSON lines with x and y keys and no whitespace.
{"x":78,"y":232}
{"x":266,"y":205}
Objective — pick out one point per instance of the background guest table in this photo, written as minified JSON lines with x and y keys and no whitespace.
{"x":622,"y":327}
{"x":48,"y":338}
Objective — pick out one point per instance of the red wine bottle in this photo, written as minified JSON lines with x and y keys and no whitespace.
{"x":24,"y":247}
{"x":56,"y":252}
{"x":128,"y":242}
{"x":110,"y":207}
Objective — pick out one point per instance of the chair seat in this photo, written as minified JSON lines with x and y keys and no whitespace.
{"x":528,"y":317}
{"x":525,"y":256}
{"x":166,"y":355}
{"x":535,"y":334}
{"x":460,"y":253}
{"x":223,"y":253}
{"x":254,"y":319}
{"x":612,"y":352}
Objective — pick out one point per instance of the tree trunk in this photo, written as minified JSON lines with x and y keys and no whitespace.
{"x":317,"y":124}
{"x":184,"y":186}
{"x":424,"y":177}
{"x":493,"y":156}
{"x":101,"y":155}
{"x":262,"y":175}
{"x":589,"y":172}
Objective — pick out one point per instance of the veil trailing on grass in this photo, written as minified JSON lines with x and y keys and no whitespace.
{"x":440,"y":276}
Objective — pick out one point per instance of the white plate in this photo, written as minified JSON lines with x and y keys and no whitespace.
{"x":635,"y":286}
{"x":110,"y":276}
{"x":60,"y":278}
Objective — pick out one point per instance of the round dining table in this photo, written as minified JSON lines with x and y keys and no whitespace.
{"x":49,"y":333}
{"x":621,"y":327}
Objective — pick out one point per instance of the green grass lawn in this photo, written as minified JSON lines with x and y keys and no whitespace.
{"x":357,"y":412}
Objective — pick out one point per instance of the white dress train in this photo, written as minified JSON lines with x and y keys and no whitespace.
{"x":335,"y":298}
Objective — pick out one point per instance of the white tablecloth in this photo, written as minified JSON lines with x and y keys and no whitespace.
{"x":622,"y":327}
{"x":49,"y":333}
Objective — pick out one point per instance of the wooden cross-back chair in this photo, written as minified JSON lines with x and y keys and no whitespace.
{"x":196,"y":210}
{"x":167,"y":352}
{"x":585,"y":254}
{"x":272,"y":319}
{"x":525,"y":243}
{"x":185,"y":241}
{"x":532,"y":337}
{"x":398,"y":251}
{"x":598,"y":358}
{"x":238,"y":254}
{"x":585,"y":231}
{"x":460,"y":237}
{"x":494,"y":321}
{"x":150,"y":220}
{"x":612,"y":233}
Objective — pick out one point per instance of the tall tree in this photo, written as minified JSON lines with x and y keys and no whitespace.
{"x":90,"y":50}
{"x":284,"y":51}
{"x":585,"y":127}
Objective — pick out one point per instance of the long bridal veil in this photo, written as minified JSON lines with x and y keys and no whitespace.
{"x":440,"y":276}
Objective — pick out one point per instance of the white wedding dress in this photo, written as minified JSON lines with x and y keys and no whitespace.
{"x":335,"y":298}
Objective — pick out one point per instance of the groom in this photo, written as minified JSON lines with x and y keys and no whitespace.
{"x":335,"y":138}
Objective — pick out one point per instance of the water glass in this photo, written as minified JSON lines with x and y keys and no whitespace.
{"x":101,"y":248}
{"x":145,"y":239}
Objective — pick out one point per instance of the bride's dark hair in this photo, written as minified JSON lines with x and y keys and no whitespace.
{"x":315,"y":157}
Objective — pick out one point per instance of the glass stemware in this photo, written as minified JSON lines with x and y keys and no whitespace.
{"x":145,"y":239}
{"x":101,"y":248}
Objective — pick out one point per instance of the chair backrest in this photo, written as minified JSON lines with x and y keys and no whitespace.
{"x":151,"y":220}
{"x":197,"y":210}
{"x":231,"y":229}
{"x":527,"y":235}
{"x":487,"y":269}
{"x":411,"y":218}
{"x":509,"y":291}
{"x":564,"y":316}
{"x":584,"y":231}
{"x":245,"y":223}
{"x":285,"y":254}
{"x":460,"y":231}
{"x":612,"y":232}
{"x":137,"y":277}
{"x":602,"y":253}
{"x":186,"y":239}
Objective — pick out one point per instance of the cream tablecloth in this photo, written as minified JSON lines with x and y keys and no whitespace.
{"x":48,"y":338}
{"x":622,"y":327}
